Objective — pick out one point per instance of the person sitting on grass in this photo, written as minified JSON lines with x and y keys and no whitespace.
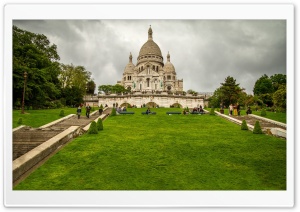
{"x":201,"y":109}
{"x":249,"y":111}
{"x":148,"y":111}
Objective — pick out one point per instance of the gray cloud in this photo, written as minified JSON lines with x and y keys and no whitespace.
{"x":204,"y":52}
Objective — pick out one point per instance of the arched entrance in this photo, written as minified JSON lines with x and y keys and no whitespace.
{"x":151,"y":104}
{"x":125,"y":104}
{"x":177,"y":105}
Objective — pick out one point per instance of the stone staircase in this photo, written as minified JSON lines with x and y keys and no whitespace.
{"x":32,"y":146}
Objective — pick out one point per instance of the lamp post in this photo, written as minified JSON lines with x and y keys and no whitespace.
{"x":23,"y":101}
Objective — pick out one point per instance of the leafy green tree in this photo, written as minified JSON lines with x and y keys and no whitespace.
{"x":263,"y":85}
{"x":72,"y":95}
{"x":230,"y":91}
{"x":190,"y":91}
{"x":279,"y":97}
{"x":90,"y":87}
{"x":215,"y":99}
{"x":112,"y":88}
{"x":278,"y":80}
{"x":34,"y":54}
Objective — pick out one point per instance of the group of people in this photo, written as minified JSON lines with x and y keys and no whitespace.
{"x":119,"y":109}
{"x":87,"y":110}
{"x":236,"y":110}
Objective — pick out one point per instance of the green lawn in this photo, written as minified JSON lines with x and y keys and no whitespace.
{"x":165,"y":152}
{"x":37,"y":118}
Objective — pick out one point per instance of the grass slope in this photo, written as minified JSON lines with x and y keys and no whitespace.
{"x":37,"y":118}
{"x":165,"y":152}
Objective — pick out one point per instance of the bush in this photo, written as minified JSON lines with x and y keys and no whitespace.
{"x":263,"y":112}
{"x":20,"y":121}
{"x":62,"y":113}
{"x":99,"y":124}
{"x":93,"y":128}
{"x":101,"y":106}
{"x":212,"y":111}
{"x":113,"y":112}
{"x":257,"y":128}
{"x":244,"y":125}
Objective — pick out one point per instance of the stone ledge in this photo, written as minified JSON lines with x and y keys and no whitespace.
{"x":57,"y":121}
{"x":251,"y":127}
{"x":26,"y":162}
{"x":18,"y":128}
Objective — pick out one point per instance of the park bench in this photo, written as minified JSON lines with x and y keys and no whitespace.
{"x":196,"y":112}
{"x":126,"y":112}
{"x":151,"y":113}
{"x":173,"y":112}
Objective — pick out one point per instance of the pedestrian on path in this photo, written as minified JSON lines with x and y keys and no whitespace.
{"x":230,"y":109}
{"x":88,"y":109}
{"x":78,"y":111}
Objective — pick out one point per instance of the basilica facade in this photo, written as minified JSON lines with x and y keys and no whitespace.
{"x":151,"y":74}
{"x":151,"y":82}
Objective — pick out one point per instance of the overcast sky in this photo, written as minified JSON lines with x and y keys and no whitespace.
{"x":203,"y":52}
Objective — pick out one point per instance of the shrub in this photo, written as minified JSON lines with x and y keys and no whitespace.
{"x":263,"y":112}
{"x":62,"y":113}
{"x":101,"y":106}
{"x":212,"y":111}
{"x":244,"y":125}
{"x":113,"y":112}
{"x":257,"y":128}
{"x":99,"y":124}
{"x":93,"y":128}
{"x":20,"y":121}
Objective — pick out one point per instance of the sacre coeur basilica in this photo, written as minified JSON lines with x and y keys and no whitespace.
{"x":151,"y":81}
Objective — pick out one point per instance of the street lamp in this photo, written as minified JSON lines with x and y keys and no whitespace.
{"x":23,"y":101}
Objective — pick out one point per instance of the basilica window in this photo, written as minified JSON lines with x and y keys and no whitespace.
{"x":169,"y":77}
{"x":153,"y":67}
{"x":139,"y":69}
{"x":140,"y":86}
{"x":124,"y":78}
{"x":148,"y":69}
{"x":148,"y":82}
{"x":155,"y":86}
{"x":156,"y":68}
{"x":142,"y":68}
{"x":173,"y":77}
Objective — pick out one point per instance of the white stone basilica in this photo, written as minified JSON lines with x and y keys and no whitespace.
{"x":150,"y":74}
{"x":151,"y":83}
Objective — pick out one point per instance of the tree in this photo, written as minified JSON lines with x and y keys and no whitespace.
{"x":190,"y":91}
{"x":99,"y":124}
{"x":90,"y":87}
{"x":279,"y":97}
{"x":244,"y":125}
{"x":93,"y":128}
{"x":112,"y":88}
{"x":73,"y":96}
{"x":263,"y":86}
{"x":257,"y":128}
{"x":34,"y":54}
{"x":277,"y":80}
{"x":230,"y":91}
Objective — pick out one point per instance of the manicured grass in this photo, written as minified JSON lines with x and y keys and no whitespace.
{"x":37,"y":118}
{"x":165,"y":152}
{"x":281,"y":117}
{"x":278,"y":116}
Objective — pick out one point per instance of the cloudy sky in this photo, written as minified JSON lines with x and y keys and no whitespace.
{"x":204,"y":52}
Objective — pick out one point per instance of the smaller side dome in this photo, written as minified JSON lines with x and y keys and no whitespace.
{"x":129,"y":68}
{"x":169,"y":67}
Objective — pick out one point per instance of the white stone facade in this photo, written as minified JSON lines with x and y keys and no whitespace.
{"x":150,"y":74}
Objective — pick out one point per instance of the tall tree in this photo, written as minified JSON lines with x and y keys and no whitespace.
{"x":279,"y":97}
{"x":230,"y":91}
{"x":74,"y":76}
{"x":34,"y":54}
{"x":90,"y":87}
{"x":263,"y":85}
{"x":277,"y":80}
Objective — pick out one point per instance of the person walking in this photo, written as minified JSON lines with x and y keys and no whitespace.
{"x":238,"y":108}
{"x":78,"y":111}
{"x":88,"y":109}
{"x":230,"y":109}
